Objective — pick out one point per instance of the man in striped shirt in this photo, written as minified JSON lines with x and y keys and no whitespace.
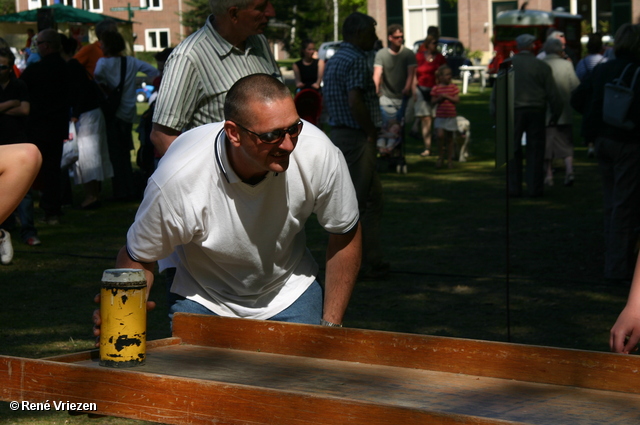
{"x":206,"y":64}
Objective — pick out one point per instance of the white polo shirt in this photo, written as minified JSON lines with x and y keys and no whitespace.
{"x":242,"y":248}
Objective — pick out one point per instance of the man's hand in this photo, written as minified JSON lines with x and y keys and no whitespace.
{"x":97,"y":320}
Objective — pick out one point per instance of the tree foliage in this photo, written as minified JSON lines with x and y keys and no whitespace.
{"x":7,"y":6}
{"x":295,"y":21}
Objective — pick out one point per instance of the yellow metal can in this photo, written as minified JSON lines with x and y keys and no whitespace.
{"x":123,"y":309}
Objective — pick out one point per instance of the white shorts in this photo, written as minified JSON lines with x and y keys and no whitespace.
{"x":422,"y":108}
{"x":449,"y":124}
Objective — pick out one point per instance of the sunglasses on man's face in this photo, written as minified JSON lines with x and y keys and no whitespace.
{"x":276,"y":136}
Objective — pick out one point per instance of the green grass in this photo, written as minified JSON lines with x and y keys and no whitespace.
{"x":451,"y":237}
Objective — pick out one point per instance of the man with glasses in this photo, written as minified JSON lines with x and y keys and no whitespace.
{"x":232,"y":198}
{"x":393,"y":72}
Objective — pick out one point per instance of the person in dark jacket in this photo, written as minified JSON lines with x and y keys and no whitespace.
{"x":618,"y":153}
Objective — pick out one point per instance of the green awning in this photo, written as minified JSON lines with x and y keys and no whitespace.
{"x":61,"y":13}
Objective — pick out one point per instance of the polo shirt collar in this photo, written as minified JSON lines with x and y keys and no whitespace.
{"x":222,"y":46}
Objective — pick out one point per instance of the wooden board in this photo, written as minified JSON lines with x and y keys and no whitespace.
{"x":234,"y":371}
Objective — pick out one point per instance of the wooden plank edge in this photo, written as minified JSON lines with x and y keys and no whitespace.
{"x":176,"y":400}
{"x":95,"y":354}
{"x":549,"y":365}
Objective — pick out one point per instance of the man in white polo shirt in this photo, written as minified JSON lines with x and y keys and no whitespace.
{"x":232,"y":198}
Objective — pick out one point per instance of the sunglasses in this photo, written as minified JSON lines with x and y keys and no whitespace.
{"x":4,"y":67}
{"x":275,"y":136}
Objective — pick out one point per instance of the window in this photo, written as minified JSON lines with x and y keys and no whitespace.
{"x":157,"y":39}
{"x":92,"y":5}
{"x":36,"y":4}
{"x":151,"y":4}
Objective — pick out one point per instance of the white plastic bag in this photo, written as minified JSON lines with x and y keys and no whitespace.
{"x":70,"y":147}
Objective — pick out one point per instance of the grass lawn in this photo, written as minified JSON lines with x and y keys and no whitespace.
{"x":457,"y":247}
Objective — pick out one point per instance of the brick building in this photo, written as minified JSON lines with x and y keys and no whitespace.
{"x":156,"y":27}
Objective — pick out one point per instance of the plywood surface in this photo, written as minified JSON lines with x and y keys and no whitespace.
{"x":491,"y":398}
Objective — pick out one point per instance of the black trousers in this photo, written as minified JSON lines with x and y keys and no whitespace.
{"x":532,"y":122}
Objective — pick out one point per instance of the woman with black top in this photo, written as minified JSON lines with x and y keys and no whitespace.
{"x":308,"y":70}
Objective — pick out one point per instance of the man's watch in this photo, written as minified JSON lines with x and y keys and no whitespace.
{"x":325,"y":323}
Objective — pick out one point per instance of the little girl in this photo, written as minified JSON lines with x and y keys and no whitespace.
{"x":445,"y":95}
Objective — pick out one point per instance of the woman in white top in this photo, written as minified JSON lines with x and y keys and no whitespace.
{"x":119,"y":127}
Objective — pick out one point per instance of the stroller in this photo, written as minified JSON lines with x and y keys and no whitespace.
{"x":390,"y":146}
{"x":309,"y":105}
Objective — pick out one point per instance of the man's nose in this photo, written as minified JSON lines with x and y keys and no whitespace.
{"x":270,"y":11}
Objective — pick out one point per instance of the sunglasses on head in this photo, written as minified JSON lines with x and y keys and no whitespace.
{"x":275,"y":136}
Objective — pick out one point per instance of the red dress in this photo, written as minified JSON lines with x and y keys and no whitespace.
{"x":426,"y":70}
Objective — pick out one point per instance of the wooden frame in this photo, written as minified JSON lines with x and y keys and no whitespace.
{"x":238,"y":371}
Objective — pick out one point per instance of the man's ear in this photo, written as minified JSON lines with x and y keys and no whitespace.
{"x":233,"y":14}
{"x":233,"y":132}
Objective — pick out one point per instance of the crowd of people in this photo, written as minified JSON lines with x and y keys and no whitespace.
{"x":240,"y":173}
{"x":57,"y":97}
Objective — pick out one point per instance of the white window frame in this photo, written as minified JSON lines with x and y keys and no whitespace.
{"x":36,"y":4}
{"x":100,"y":9}
{"x":144,"y":3}
{"x":147,"y":42}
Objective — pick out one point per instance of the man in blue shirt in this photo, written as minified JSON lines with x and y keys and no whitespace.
{"x":354,"y":115}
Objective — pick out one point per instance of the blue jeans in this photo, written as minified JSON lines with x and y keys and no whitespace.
{"x":306,"y":309}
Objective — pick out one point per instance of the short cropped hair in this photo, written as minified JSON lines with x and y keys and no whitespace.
{"x":356,"y":23}
{"x":256,"y":87}
{"x":113,"y":43}
{"x":594,"y":45}
{"x":7,"y":53}
{"x":627,"y":41}
{"x":553,"y":45}
{"x":52,"y":37}
{"x":220,"y":7}
{"x":391,"y":29}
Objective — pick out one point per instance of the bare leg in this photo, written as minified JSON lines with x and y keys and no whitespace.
{"x":450,"y":147}
{"x":548,"y":179}
{"x":91,"y":193}
{"x":426,"y":134}
{"x":441,"y":147}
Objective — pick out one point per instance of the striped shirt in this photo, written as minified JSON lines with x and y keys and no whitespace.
{"x":446,"y":108}
{"x":199,"y":73}
{"x":348,"y":70}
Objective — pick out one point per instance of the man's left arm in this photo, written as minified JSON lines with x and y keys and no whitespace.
{"x":344,"y":253}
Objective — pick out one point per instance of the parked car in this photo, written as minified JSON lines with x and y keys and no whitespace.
{"x":452,"y":49}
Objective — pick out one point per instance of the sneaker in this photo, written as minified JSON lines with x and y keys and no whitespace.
{"x":33,"y":241}
{"x":6,"y":249}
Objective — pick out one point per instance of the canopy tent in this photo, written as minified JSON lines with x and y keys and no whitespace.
{"x":73,"y":22}
{"x":61,"y":14}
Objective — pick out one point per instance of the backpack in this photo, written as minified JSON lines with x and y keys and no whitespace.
{"x":618,"y":98}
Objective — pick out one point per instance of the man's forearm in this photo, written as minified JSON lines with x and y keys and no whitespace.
{"x":162,"y":137}
{"x":124,"y":261}
{"x":344,"y":253}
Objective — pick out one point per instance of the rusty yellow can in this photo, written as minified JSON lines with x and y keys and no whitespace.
{"x":123,"y":309}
